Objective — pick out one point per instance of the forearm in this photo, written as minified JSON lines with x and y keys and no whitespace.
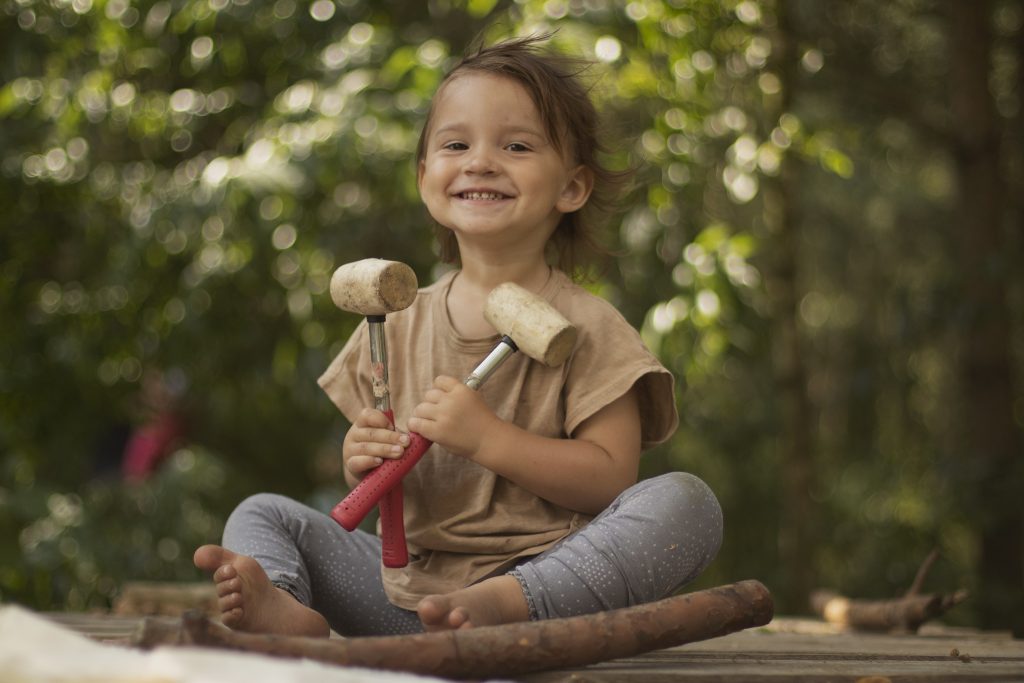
{"x":584,"y":473}
{"x":571,"y":472}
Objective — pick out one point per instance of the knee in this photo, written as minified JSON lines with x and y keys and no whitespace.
{"x":261,"y":501}
{"x":258,"y":505}
{"x":682,"y":489}
{"x":692,"y":507}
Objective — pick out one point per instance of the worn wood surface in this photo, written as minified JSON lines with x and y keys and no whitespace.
{"x":776,"y":654}
{"x":807,"y":651}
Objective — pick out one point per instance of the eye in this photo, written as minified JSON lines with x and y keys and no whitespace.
{"x":455,"y":146}
{"x":517,"y":147}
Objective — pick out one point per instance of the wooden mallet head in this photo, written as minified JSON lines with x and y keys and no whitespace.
{"x":373,"y":287}
{"x":541,"y":332}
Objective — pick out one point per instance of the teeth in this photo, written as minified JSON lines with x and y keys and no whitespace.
{"x":482,"y":195}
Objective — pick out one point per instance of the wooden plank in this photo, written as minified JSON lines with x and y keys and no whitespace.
{"x":760,"y":656}
{"x":103,"y":627}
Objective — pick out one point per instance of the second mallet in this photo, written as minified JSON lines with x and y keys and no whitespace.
{"x":527,"y":323}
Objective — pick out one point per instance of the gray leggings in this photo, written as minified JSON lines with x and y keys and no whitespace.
{"x":656,"y":537}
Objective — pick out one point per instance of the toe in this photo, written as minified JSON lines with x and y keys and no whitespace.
{"x":225,"y":572}
{"x":232,"y":617}
{"x":229,"y":602}
{"x":228,"y":587}
{"x":459,"y":618}
{"x":430,"y":611}
{"x":210,"y":557}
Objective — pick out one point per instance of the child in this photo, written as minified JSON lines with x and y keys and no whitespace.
{"x":500,"y":514}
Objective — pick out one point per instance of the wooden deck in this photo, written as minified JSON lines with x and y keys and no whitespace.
{"x":785,"y":650}
{"x":781,"y":653}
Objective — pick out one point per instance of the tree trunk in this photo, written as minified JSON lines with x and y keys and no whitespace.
{"x":795,"y":419}
{"x":991,"y":440}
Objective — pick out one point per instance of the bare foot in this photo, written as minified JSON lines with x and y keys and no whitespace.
{"x":249,"y":602}
{"x":498,"y":600}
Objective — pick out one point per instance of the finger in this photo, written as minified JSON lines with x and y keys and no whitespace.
{"x":423,"y":427}
{"x":434,"y":395}
{"x":379,"y":450}
{"x":446,"y":382}
{"x":361,"y":464}
{"x":371,"y":417}
{"x":382,"y":436}
{"x":425,"y":411}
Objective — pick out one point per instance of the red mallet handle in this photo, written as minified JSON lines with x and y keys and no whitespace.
{"x":392,"y":525}
{"x":392,"y":529}
{"x":360,"y":500}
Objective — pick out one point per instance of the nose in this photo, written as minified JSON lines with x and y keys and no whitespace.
{"x":481,"y":161}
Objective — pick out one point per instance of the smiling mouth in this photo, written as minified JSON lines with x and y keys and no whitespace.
{"x":482,"y":196}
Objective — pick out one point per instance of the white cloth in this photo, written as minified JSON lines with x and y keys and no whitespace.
{"x":34,"y":649}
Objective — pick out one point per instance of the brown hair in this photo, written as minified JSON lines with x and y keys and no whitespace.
{"x":571,"y":122}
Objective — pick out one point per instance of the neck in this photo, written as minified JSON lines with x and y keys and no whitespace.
{"x":476,"y":279}
{"x":532,"y":278}
{"x":486,"y":270}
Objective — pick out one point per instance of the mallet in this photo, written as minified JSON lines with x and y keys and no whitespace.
{"x":527,"y":323}
{"x":374,"y":288}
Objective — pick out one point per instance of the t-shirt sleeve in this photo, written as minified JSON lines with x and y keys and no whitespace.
{"x":346,"y":380}
{"x":610,"y":358}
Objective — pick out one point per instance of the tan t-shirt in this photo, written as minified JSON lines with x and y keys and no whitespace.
{"x":462,"y":521}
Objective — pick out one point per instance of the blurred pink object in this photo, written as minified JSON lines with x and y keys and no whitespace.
{"x":149,"y":444}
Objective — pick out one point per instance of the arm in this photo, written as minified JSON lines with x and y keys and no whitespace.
{"x":584,"y":472}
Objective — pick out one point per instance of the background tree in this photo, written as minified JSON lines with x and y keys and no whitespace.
{"x":990,"y":444}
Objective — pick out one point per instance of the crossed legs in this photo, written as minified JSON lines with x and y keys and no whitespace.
{"x":291,"y":569}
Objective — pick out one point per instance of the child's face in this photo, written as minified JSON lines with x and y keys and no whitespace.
{"x":490,"y":172}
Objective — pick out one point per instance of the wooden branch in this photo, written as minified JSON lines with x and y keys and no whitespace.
{"x":922,"y":573}
{"x":153,"y":598}
{"x":900,"y":615}
{"x":510,"y":649}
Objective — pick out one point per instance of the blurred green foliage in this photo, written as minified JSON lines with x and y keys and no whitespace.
{"x":78,"y":546}
{"x":180,"y":178}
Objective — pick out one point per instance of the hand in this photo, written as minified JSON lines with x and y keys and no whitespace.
{"x":371,"y":440}
{"x":454,"y":416}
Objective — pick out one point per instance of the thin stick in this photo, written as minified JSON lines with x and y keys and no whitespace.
{"x":922,"y":573}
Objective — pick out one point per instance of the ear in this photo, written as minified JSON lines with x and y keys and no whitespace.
{"x":577,"y":190}
{"x":420,"y":167}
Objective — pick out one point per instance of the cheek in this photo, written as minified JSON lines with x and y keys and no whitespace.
{"x":434,"y":174}
{"x":432,"y":190}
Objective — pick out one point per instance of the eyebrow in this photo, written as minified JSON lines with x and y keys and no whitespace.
{"x":512,"y":130}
